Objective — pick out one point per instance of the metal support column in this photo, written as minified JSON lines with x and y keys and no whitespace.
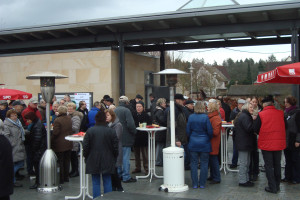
{"x":295,"y":58}
{"x":162,"y":67}
{"x":121,"y":66}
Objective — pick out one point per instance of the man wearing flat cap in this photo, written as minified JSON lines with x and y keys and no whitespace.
{"x":189,"y":108}
{"x":270,"y":126}
{"x":180,"y":126}
{"x":128,"y":136}
{"x":233,"y":115}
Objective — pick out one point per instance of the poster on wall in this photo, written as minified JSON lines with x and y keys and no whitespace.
{"x":76,"y":97}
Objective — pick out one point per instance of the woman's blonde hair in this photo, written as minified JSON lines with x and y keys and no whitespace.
{"x":160,"y":101}
{"x":72,"y":105}
{"x":200,"y":107}
{"x":246,"y":106}
{"x":62,"y":110}
{"x":213,"y":106}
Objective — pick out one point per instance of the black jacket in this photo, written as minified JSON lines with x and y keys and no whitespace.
{"x":292,"y":129}
{"x":37,"y":140}
{"x":100,"y":149}
{"x":6,"y":167}
{"x":141,"y":137}
{"x":244,"y":132}
{"x":159,"y":118}
{"x":85,"y":120}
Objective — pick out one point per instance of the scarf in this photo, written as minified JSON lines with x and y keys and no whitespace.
{"x":287,"y":110}
{"x":19,"y":125}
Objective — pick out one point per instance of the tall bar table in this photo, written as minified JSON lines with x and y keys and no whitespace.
{"x":151,"y":151}
{"x":84,"y":184}
{"x":224,"y":149}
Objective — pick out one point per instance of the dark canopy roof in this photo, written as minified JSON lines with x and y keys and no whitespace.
{"x":241,"y":25}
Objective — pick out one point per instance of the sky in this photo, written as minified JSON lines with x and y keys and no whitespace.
{"x":26,"y":13}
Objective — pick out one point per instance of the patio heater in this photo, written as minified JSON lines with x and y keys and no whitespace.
{"x":173,"y":156}
{"x":191,"y":71}
{"x":49,"y":173}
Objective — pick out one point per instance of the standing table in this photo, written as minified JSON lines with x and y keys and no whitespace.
{"x":84,"y":184}
{"x":224,"y":149}
{"x":151,"y":151}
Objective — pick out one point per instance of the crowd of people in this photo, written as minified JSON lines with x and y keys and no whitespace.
{"x":111,"y":136}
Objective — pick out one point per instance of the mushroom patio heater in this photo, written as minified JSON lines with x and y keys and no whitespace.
{"x":49,"y":178}
{"x":173,"y":157}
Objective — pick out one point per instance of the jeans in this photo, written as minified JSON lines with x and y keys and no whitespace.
{"x":159,"y":153}
{"x":235,"y":155}
{"x":126,"y":163}
{"x":244,"y":157}
{"x":214,"y":168}
{"x":106,"y":178}
{"x":17,"y":166}
{"x":273,"y":168}
{"x":204,"y":159}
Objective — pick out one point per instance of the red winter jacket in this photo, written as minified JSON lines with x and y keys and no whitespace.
{"x":272,"y":131}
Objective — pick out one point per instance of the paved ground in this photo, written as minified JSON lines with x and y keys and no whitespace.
{"x":143,"y":189}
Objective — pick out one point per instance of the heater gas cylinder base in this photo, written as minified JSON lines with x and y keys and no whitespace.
{"x":49,"y":189}
{"x":168,"y":188}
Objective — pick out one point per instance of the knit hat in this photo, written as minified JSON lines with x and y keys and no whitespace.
{"x":138,"y":96}
{"x":241,"y":101}
{"x":142,"y":103}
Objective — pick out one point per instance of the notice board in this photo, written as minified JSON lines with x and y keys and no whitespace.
{"x":75,"y":96}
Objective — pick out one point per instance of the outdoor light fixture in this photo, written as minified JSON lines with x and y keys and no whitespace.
{"x":49,"y":174}
{"x":191,"y":71}
{"x":173,"y":156}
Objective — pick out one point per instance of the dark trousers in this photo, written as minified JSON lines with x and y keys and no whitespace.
{"x":187,"y":159}
{"x":272,"y":161}
{"x":144,"y":151}
{"x":74,"y":161}
{"x":64,"y":164}
{"x":36,"y":165}
{"x":115,"y":180}
{"x":5,"y":198}
{"x":254,"y":163}
{"x":292,"y":165}
{"x":29,"y":158}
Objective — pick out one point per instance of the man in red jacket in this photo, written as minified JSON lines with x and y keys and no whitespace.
{"x":272,"y":140}
{"x":32,"y":107}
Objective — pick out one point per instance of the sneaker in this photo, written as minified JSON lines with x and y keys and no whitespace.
{"x":195,"y":187}
{"x":131,"y":180}
{"x":201,"y":187}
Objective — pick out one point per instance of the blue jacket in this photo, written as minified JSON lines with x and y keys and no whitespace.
{"x":91,"y":116}
{"x":199,"y":132}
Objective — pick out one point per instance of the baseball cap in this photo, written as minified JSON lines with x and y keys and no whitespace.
{"x":33,"y":100}
{"x":123,"y":98}
{"x":189,"y":102}
{"x":241,"y":101}
{"x":16,"y":103}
